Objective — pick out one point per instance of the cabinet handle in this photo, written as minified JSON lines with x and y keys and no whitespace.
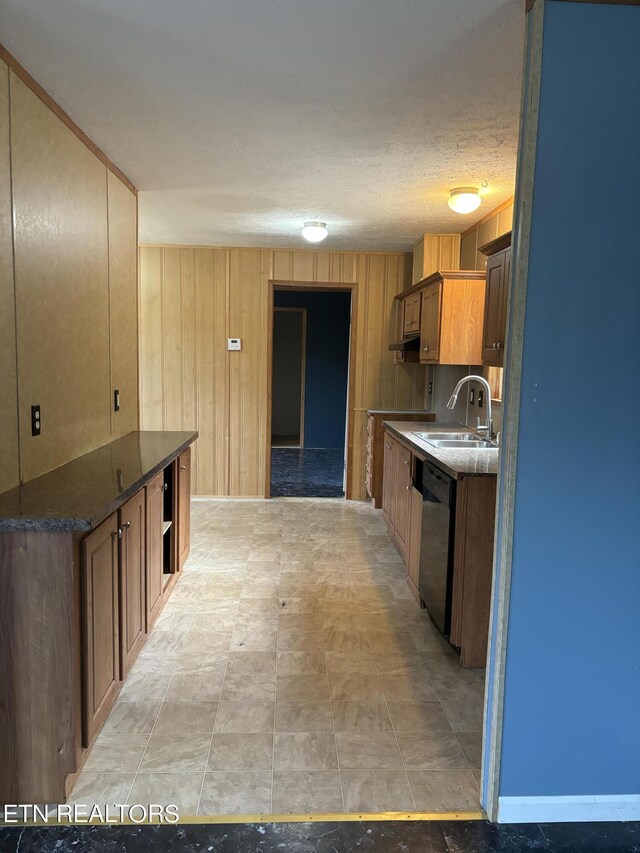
{"x":425,"y":349}
{"x":166,"y":487}
{"x":493,"y":345}
{"x":183,"y":467}
{"x":498,"y":345}
{"x":127,"y":525}
{"x":407,"y":487}
{"x":119,"y":534}
{"x":406,"y":461}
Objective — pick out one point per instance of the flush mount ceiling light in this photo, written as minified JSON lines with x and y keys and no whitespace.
{"x":314,"y":232}
{"x":464,"y":199}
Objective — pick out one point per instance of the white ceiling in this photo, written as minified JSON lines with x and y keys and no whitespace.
{"x":240,"y":119}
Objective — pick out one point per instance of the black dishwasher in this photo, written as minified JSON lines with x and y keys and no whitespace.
{"x":436,"y":549}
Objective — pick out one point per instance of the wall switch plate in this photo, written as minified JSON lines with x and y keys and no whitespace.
{"x":472,"y":396}
{"x":480,"y":397}
{"x":234,"y":344}
{"x":116,"y":400}
{"x":36,"y":421}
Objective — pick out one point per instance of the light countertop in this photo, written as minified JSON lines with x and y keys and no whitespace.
{"x":457,"y":462}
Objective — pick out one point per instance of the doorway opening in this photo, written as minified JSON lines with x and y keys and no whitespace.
{"x":309,"y":391}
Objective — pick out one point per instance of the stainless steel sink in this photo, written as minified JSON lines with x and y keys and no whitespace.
{"x":473,"y":442}
{"x":447,"y":436}
{"x":453,"y":439}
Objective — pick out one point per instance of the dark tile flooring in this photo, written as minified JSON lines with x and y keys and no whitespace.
{"x":381,"y":837}
{"x":306,"y":473}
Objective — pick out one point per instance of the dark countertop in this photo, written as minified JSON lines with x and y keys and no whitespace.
{"x":397,"y":412}
{"x":457,"y":462}
{"x":85,"y":491}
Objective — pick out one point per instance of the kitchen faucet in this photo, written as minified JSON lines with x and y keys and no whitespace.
{"x":453,"y":399}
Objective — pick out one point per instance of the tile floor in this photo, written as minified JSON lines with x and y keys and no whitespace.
{"x":307,"y":472}
{"x":291,"y":671}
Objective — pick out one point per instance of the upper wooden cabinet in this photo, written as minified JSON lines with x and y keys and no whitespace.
{"x":434,"y":252}
{"x":411,"y":323}
{"x":498,"y":254}
{"x":452,"y":313}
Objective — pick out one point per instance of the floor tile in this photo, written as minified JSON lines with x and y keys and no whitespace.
{"x":336,"y":640}
{"x":238,"y":686}
{"x":309,"y":687}
{"x":376,"y":791}
{"x":412,"y":684}
{"x":444,"y":790}
{"x":248,"y":663}
{"x":116,"y":753}
{"x":431,"y":751}
{"x":361,"y":716}
{"x":131,"y":718}
{"x":176,"y":752}
{"x":245,"y":716}
{"x":193,"y":687}
{"x":305,"y":751}
{"x":236,"y":792}
{"x":355,"y":685}
{"x":301,"y":663}
{"x":180,"y":789}
{"x":144,"y":686}
{"x":349,"y":662}
{"x":186,"y":717}
{"x":464,"y":716}
{"x":418,"y":717}
{"x":471,"y":745}
{"x":315,"y":791}
{"x":300,"y":716}
{"x":231,"y":751}
{"x":103,"y":789}
{"x":362,"y":750}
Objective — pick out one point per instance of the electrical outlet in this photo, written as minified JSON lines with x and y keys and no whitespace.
{"x":430,"y":387}
{"x":480,"y":397}
{"x":472,"y":396}
{"x":116,"y":400}
{"x":36,"y":421}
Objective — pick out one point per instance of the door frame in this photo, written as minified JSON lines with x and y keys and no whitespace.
{"x":316,"y":287}
{"x":303,"y":366}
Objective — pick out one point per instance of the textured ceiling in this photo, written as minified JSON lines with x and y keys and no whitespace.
{"x":240,"y":119}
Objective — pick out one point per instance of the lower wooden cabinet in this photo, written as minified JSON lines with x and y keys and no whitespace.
{"x":133,"y":570}
{"x":184,"y":507}
{"x":374,"y":444}
{"x":100,"y":626}
{"x":155,"y":522}
{"x":398,"y":473}
{"x":415,"y":540}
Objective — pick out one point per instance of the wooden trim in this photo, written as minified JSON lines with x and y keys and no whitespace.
{"x":398,"y":253}
{"x":64,"y":117}
{"x":488,"y":216}
{"x":351,"y":390}
{"x":497,"y":245}
{"x":531,"y":3}
{"x":439,"y":276}
{"x":303,"y":363}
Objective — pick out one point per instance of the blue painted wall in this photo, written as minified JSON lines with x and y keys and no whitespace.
{"x":327,"y":366}
{"x":572,"y":691}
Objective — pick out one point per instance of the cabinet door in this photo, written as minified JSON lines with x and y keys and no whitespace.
{"x":154,"y":579}
{"x":492,"y":331}
{"x":184,"y":507}
{"x":389,"y":481}
{"x":415,"y":539}
{"x":430,"y":331}
{"x":506,"y":285}
{"x":133,"y":617}
{"x":412,"y":314}
{"x":100,"y":626}
{"x":403,"y":493}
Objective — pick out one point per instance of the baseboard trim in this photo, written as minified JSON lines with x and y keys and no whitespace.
{"x":572,"y":809}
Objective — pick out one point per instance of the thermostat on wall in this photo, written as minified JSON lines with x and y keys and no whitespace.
{"x":234,"y":343}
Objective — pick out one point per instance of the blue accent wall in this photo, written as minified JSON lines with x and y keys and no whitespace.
{"x":572,"y":690}
{"x":327,"y":363}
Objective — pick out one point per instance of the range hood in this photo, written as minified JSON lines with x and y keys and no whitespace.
{"x":410,"y":343}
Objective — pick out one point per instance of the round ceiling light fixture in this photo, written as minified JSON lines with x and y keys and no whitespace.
{"x":464,"y":199}
{"x":315,"y":232}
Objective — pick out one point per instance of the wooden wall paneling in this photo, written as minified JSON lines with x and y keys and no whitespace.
{"x":60,"y":251}
{"x":505,"y":220}
{"x":172,"y":319}
{"x":9,"y":464}
{"x":151,"y":323}
{"x":304,"y":268}
{"x":249,"y":271}
{"x":282,"y":265}
{"x":123,"y":304}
